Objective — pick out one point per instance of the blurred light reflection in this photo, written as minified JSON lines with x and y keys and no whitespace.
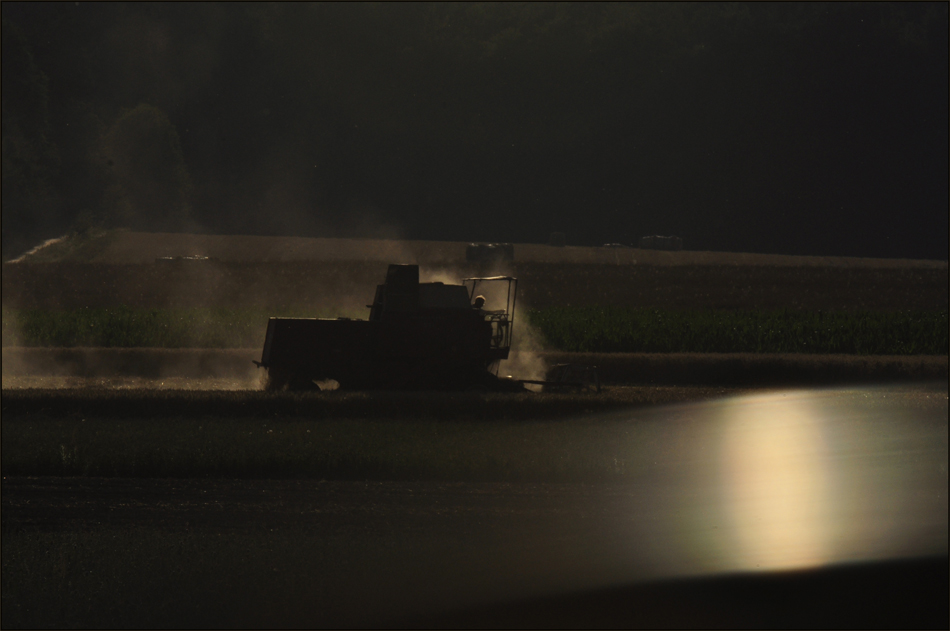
{"x":782,"y":481}
{"x":776,"y":482}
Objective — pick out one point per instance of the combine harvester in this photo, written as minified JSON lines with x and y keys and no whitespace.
{"x":419,"y":336}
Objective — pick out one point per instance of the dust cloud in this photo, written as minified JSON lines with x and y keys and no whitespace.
{"x":340,"y":284}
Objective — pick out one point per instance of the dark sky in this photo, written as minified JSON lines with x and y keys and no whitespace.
{"x":762,"y":127}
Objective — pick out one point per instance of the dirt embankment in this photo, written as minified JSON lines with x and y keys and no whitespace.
{"x":126,"y":247}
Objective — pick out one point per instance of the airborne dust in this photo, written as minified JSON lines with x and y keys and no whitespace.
{"x":205,"y":285}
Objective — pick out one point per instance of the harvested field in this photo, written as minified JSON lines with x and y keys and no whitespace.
{"x":233,"y":369}
{"x":120,"y":268}
{"x":349,"y":286}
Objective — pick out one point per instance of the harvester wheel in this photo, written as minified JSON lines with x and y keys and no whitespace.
{"x":276,"y":380}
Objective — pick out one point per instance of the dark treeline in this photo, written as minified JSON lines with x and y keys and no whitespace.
{"x":771,"y":127}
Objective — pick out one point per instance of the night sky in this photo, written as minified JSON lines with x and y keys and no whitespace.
{"x":815,"y":129}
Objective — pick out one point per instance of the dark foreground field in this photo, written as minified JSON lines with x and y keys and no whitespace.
{"x":186,"y":554}
{"x":822,"y":509}
{"x":382,"y":436}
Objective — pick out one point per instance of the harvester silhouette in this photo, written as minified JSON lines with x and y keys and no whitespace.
{"x":418,"y":336}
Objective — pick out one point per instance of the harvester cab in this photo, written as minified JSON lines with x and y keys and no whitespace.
{"x":497,"y":295}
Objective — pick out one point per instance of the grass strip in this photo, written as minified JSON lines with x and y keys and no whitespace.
{"x":569,"y":329}
{"x":618,"y":329}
